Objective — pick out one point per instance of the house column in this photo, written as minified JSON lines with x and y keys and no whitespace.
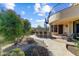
{"x":51,"y":28}
{"x":58,"y":29}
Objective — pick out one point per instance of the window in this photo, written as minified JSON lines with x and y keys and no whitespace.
{"x":55,"y":28}
{"x":45,"y":32}
{"x":40,"y":32}
{"x":51,"y":28}
{"x":36,"y":32}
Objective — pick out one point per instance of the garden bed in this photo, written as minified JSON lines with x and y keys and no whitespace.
{"x":73,"y":49}
{"x":37,"y":51}
{"x":30,"y":47}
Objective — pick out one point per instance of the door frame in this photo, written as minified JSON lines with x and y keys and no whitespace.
{"x":74,"y":26}
{"x":60,"y":29}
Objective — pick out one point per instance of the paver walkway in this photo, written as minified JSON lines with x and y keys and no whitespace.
{"x":57,"y":47}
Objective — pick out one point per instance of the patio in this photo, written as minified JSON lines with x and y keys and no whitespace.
{"x":56,"y":46}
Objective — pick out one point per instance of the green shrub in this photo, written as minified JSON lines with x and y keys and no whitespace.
{"x":16,"y":52}
{"x":77,"y":43}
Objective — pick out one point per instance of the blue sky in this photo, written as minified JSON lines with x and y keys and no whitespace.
{"x":34,"y":12}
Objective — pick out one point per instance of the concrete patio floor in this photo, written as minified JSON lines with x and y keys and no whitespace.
{"x":56,"y":46}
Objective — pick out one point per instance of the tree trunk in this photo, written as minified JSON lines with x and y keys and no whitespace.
{"x":0,"y":49}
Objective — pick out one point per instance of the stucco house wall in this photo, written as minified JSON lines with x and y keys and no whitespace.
{"x":66,"y":18}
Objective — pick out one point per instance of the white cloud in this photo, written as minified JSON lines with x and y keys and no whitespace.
{"x":41,"y":9}
{"x":41,"y":14}
{"x":37,"y":7}
{"x":31,"y":19}
{"x":40,"y":22}
{"x":34,"y":25}
{"x":9,"y":6}
{"x":46,"y":8}
{"x":23,"y":12}
{"x":70,"y":4}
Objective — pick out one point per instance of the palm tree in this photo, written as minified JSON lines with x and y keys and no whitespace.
{"x":49,"y":14}
{"x":47,"y":19}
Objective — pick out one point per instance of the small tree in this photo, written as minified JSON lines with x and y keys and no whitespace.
{"x":39,"y":27}
{"x":26,"y":26}
{"x":10,"y":25}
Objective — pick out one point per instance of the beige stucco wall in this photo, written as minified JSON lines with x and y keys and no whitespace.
{"x":54,"y":17}
{"x":68,"y":13}
{"x":65,"y":17}
{"x":71,"y":28}
{"x":67,"y":28}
